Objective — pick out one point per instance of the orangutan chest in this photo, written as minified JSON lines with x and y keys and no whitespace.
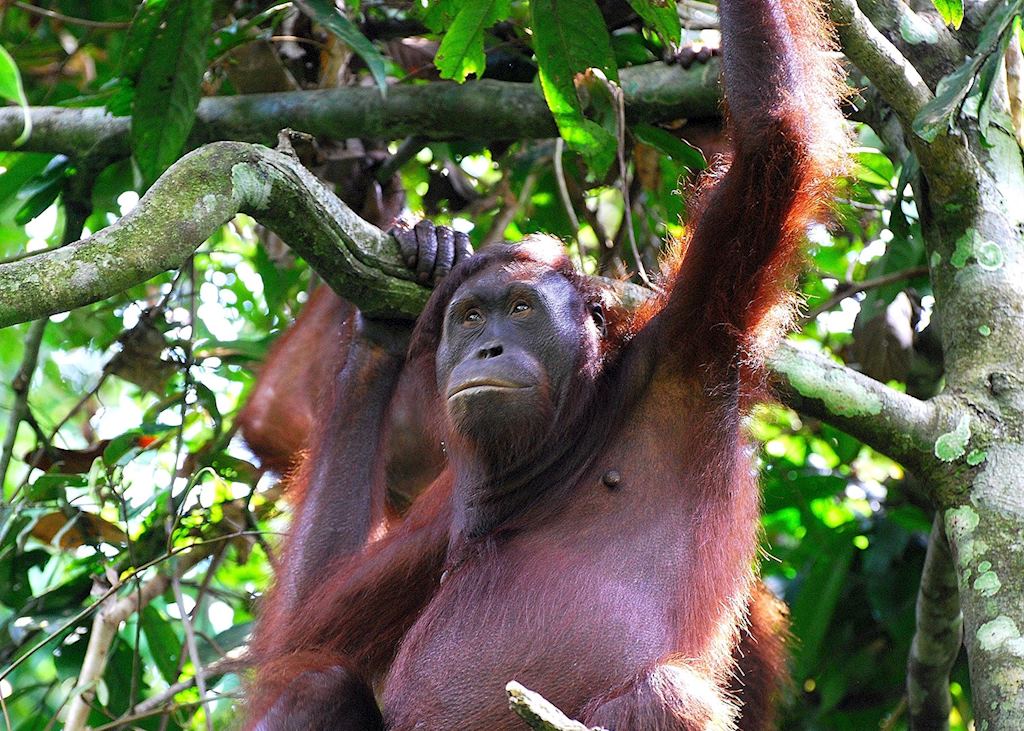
{"x":569,"y":630}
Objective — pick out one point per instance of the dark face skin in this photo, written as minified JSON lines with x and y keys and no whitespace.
{"x":513,"y":339}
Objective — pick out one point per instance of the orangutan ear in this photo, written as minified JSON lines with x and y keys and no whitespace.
{"x":597,"y":312}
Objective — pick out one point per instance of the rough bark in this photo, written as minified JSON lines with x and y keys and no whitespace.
{"x":486,"y":109}
{"x":198,"y":194}
{"x":971,"y":202}
{"x":207,"y":187}
{"x":967,"y":443}
{"x":938,"y":637}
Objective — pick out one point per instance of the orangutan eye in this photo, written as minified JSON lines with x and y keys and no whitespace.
{"x":472,"y":317}
{"x":520,"y":306}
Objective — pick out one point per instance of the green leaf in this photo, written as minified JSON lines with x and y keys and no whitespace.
{"x":661,"y":15}
{"x":15,"y":587}
{"x":631,"y":49}
{"x":462,"y":50}
{"x":208,"y":400}
{"x":874,"y":168}
{"x":327,"y":14}
{"x":42,"y":190}
{"x":438,"y":15}
{"x":986,"y":83}
{"x":11,"y":89}
{"x":168,"y":85}
{"x":140,"y":36}
{"x":570,"y":37}
{"x":952,"y":11}
{"x":164,"y":646}
{"x":937,"y":115}
{"x":21,"y":168}
{"x":679,"y":150}
{"x":53,"y":486}
{"x":819,"y":592}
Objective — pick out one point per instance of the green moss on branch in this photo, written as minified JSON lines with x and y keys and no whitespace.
{"x":486,"y":109}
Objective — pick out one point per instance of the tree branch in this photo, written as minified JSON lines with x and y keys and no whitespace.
{"x":897,"y":80}
{"x":888,"y":421}
{"x":19,"y":409}
{"x":209,"y":186}
{"x":485,"y":109}
{"x":104,"y":629}
{"x":937,"y":640}
{"x":198,"y":194}
{"x":538,"y":712}
{"x":846,"y":290}
{"x":920,"y":36}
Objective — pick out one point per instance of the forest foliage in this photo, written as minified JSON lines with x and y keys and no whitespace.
{"x":127,"y":449}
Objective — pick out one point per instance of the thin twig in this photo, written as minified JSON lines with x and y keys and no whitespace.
{"x":409,"y":148}
{"x":563,"y":193}
{"x":509,"y":211}
{"x":627,"y":206}
{"x":190,"y":643}
{"x":201,"y":591}
{"x":155,"y":703}
{"x":296,"y":39}
{"x":938,"y":635}
{"x":849,"y":289}
{"x":20,"y":386}
{"x":84,"y":22}
{"x":132,"y":573}
{"x":104,"y":629}
{"x":125,"y":720}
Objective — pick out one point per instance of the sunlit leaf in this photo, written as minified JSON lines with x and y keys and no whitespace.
{"x":12,"y":90}
{"x":164,"y":645}
{"x":462,"y":50}
{"x":678,"y":149}
{"x":330,"y":17}
{"x":561,"y":55}
{"x":939,"y":115}
{"x":663,"y":16}
{"x":168,"y":82}
{"x":952,"y":11}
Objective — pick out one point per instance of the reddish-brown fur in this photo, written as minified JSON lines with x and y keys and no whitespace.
{"x":625,"y":607}
{"x":297,"y":379}
{"x":279,"y":414}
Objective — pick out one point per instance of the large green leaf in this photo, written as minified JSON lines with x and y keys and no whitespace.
{"x":438,"y":15}
{"x":569,"y":37}
{"x":21,"y":168}
{"x":661,"y":15}
{"x":140,"y":36}
{"x":952,"y":11}
{"x":986,"y":81}
{"x":168,"y":82}
{"x":12,"y":90}
{"x":164,"y":645}
{"x":818,"y":594}
{"x":938,"y":115}
{"x":679,"y":150}
{"x":327,"y":14}
{"x":462,"y":50}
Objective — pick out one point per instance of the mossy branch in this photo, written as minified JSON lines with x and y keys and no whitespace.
{"x":539,"y":713}
{"x":485,"y":109}
{"x":197,"y":195}
{"x":937,"y":638}
{"x":893,"y":423}
{"x":209,"y":186}
{"x":898,"y":81}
